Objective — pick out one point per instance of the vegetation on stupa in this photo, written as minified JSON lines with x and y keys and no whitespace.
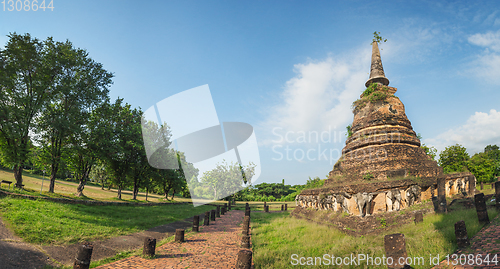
{"x":373,"y":94}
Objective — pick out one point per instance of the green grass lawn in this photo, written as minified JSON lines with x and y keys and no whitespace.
{"x":278,"y":236}
{"x":45,"y":222}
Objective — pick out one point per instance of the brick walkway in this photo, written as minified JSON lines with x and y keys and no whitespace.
{"x":487,"y":241}
{"x":215,"y":246}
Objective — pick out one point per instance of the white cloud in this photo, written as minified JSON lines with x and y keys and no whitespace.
{"x":319,"y":97}
{"x":480,"y":130}
{"x":489,"y":40}
{"x":486,"y":65}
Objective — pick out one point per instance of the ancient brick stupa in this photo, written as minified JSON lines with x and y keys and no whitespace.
{"x":382,"y":142}
{"x":383,"y":167}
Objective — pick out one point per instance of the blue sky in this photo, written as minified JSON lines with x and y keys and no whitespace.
{"x":294,"y":67}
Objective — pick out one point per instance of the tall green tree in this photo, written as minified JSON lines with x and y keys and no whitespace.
{"x":122,"y":132}
{"x":493,"y":152}
{"x":482,"y":167}
{"x":81,"y":86}
{"x":226,"y":179}
{"x":454,"y":159}
{"x":28,"y":71}
{"x":430,"y":151}
{"x":84,"y":149}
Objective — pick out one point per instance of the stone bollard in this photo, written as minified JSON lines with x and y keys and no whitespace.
{"x":244,"y":259}
{"x":206,"y":220}
{"x":217,"y":212}
{"x":481,"y":184}
{"x":482,"y":212}
{"x":246,"y":226}
{"x":419,"y":217}
{"x":245,"y":241}
{"x":395,"y":248}
{"x":286,"y":207}
{"x":266,"y":209}
{"x":247,"y":205}
{"x":441,"y":198}
{"x":472,"y":185}
{"x":282,"y":207}
{"x":212,"y":215}
{"x":247,"y":212}
{"x":82,"y":260}
{"x":223,"y":210}
{"x":228,"y":206}
{"x":149,"y":247}
{"x":497,"y":195}
{"x":265,"y":204}
{"x":179,"y":235}
{"x":196,"y":223}
{"x":461,"y":234}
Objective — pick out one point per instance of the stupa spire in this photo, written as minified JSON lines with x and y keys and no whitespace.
{"x":377,"y":71}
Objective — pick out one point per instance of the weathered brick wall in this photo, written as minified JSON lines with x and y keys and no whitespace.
{"x":386,"y":196}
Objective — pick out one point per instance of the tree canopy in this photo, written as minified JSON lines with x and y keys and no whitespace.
{"x":454,"y":159}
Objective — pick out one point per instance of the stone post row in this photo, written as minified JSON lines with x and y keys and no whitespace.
{"x":206,"y":219}
{"x":246,"y":225}
{"x":441,"y":198}
{"x":149,"y":247}
{"x":217,"y":211}
{"x":419,"y":217}
{"x":245,"y":241}
{"x":461,"y":234}
{"x":82,"y":260}
{"x":497,"y":195}
{"x":212,"y":215}
{"x":244,"y":259}
{"x":482,"y":212}
{"x":179,"y":235}
{"x":196,"y":223}
{"x":395,"y":248}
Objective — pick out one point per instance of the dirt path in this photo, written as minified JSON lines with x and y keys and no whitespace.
{"x":110,"y":247}
{"x":215,"y":246}
{"x":14,"y":253}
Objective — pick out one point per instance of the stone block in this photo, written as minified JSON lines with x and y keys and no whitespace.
{"x":395,"y":248}
{"x":379,"y":204}
{"x":461,"y":234}
{"x":419,"y":217}
{"x":482,"y":212}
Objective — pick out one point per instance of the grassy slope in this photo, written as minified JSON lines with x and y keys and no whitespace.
{"x":67,"y":189}
{"x":277,"y":236}
{"x":45,"y":222}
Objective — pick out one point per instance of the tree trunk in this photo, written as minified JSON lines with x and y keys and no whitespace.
{"x":52,"y":183}
{"x":18,"y":175}
{"x":173,"y":192}
{"x":120,"y":192}
{"x":136,"y":190}
{"x":53,"y":173}
{"x":81,"y":186}
{"x":147,"y":190}
{"x":166,"y":190}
